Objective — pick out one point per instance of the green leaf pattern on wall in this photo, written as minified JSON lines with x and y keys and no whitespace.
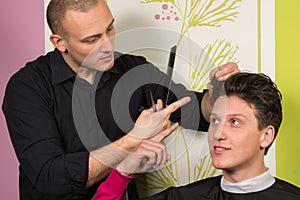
{"x":215,"y":54}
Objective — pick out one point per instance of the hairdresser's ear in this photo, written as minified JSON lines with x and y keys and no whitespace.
{"x":267,"y":136}
{"x":58,"y":42}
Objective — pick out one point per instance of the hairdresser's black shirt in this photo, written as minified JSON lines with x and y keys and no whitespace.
{"x":38,"y":109}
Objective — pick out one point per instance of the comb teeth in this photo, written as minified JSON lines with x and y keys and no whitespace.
{"x":171,"y":62}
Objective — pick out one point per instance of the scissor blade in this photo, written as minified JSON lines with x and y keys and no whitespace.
{"x":153,"y":102}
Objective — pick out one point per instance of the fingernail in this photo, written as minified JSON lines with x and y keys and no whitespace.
{"x":185,"y":100}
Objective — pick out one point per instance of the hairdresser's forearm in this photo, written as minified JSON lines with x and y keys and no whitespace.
{"x":102,"y":160}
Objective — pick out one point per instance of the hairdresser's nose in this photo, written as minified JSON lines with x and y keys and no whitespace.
{"x":107,"y":43}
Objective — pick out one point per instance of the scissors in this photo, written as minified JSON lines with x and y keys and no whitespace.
{"x":153,"y":102}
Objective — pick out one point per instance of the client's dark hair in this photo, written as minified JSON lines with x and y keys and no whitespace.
{"x":259,"y":91}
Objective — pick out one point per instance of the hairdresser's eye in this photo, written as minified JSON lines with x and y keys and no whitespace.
{"x":92,"y":40}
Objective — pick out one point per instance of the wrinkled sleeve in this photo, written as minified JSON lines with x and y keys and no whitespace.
{"x":38,"y":143}
{"x":113,"y":187}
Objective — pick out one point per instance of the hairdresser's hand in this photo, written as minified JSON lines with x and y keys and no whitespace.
{"x":150,"y":154}
{"x":223,"y":72}
{"x":150,"y":123}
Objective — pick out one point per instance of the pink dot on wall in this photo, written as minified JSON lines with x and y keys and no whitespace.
{"x":157,"y":16}
{"x":165,"y":6}
{"x":168,"y":17}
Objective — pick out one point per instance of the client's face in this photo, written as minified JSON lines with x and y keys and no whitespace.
{"x":233,"y":135}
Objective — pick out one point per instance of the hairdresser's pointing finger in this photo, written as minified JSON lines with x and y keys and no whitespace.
{"x":177,"y":104}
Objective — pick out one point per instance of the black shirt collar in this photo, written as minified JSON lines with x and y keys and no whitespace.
{"x":61,"y":71}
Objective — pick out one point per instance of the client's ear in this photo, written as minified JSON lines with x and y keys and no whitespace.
{"x":267,"y":136}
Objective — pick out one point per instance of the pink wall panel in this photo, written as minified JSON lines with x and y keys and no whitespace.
{"x":21,"y":40}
